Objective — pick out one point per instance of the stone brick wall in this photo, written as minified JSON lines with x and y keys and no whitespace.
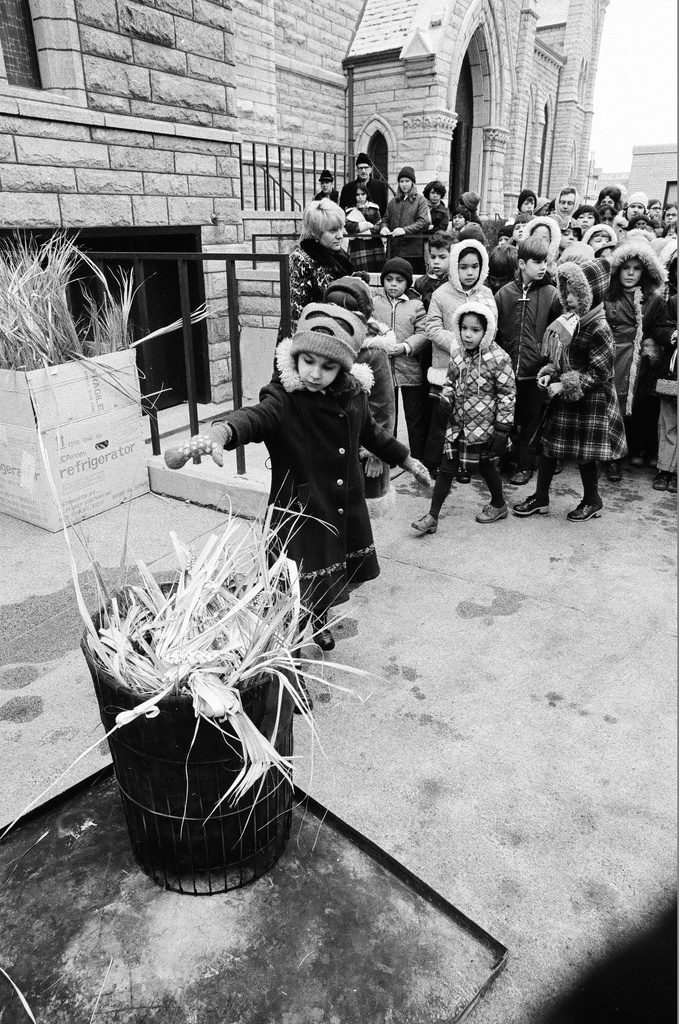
{"x":160,"y":59}
{"x":653,"y":169}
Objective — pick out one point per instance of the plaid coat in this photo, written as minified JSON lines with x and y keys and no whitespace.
{"x":366,"y":252}
{"x":584,"y":421}
{"x":480,"y":389}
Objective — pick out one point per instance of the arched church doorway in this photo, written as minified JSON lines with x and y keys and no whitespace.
{"x":378,"y":151}
{"x":461,"y":144}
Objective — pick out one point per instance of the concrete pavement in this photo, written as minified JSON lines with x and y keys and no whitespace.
{"x":516,"y":745}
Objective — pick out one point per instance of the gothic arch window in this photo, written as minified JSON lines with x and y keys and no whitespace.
{"x":543,"y":153}
{"x":17,"y":43}
{"x":378,"y":151}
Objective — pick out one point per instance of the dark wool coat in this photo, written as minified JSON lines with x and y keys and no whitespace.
{"x":524,"y":314}
{"x":313,"y":439}
{"x":411,"y":213}
{"x":382,"y":405}
{"x":377,"y":192}
{"x":312,"y":269}
{"x":623,"y":319}
{"x":440,"y":218}
{"x":584,"y":421}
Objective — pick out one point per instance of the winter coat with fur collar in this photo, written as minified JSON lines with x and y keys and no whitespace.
{"x":635,"y":316}
{"x":584,"y":421}
{"x":480,"y":385}
{"x":445,"y":301}
{"x":313,"y":439}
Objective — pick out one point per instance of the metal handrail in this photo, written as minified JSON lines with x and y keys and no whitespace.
{"x":182,"y":259}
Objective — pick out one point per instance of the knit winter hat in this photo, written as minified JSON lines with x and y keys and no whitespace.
{"x":576,"y":252}
{"x":470,"y":200}
{"x":406,"y":172}
{"x":363,"y":158}
{"x":527,"y":193}
{"x":637,"y":197}
{"x":474,"y":231}
{"x":637,"y":220}
{"x":351,"y":293}
{"x":326,"y":175}
{"x":329,"y":331}
{"x":397,"y":265}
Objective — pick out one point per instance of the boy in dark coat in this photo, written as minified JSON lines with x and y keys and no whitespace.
{"x":526,"y":307}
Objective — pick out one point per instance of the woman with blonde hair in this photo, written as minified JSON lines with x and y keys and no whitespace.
{"x":318,"y":260}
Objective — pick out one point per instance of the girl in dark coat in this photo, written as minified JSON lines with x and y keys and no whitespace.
{"x":584,"y":421}
{"x":635,"y":311}
{"x":313,"y":419}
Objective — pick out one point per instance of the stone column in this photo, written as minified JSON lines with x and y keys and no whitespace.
{"x":428,"y":134}
{"x":494,"y":147}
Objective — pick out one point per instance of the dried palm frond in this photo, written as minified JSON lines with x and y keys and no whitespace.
{"x":230,"y":620}
{"x":37,"y":325}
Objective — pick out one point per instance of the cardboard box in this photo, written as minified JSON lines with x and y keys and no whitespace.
{"x":89,"y":416}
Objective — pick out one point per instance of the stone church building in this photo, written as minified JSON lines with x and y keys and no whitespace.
{"x":186,"y":125}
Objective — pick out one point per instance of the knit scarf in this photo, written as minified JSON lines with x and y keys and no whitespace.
{"x":636,"y":355}
{"x":557,"y":339}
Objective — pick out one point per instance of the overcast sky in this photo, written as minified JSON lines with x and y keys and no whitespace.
{"x":635,"y":98}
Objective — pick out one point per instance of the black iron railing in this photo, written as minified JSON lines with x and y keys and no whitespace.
{"x":182,"y":260}
{"x":274,"y":177}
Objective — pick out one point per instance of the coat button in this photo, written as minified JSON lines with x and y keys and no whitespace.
{"x":340,"y":482}
{"x":341,"y":511}
{"x":342,"y":451}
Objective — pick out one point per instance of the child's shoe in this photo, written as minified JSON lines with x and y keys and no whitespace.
{"x":521,"y":477}
{"x":662,"y":480}
{"x":427,"y":524}
{"x":531,"y":506}
{"x":672,"y":483}
{"x":583,"y":512}
{"x":490,"y":514}
{"x":463,"y":476}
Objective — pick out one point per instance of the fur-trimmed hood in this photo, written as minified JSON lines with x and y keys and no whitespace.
{"x":595,"y":229}
{"x":468,"y":243}
{"x":554,"y":232}
{"x":482,"y":310}
{"x":588,"y":282}
{"x":290,"y":379}
{"x":639,"y":249}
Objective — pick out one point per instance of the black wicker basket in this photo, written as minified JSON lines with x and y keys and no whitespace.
{"x":172,"y":771}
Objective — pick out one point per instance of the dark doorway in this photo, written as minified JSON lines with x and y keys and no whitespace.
{"x":461,"y":145}
{"x":161,"y":362}
{"x":378,"y":151}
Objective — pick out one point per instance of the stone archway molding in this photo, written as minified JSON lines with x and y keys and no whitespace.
{"x":377,"y":123}
{"x":480,"y":17}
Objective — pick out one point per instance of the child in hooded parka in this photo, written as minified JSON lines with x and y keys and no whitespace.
{"x":635,"y":311}
{"x":467,"y":272}
{"x":664,"y":354}
{"x":583,"y":421}
{"x":478,"y":397}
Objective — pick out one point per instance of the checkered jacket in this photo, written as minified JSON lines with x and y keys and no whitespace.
{"x":480,"y":388}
